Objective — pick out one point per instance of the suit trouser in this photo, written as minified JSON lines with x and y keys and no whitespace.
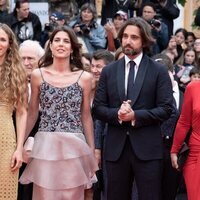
{"x":171,"y":177}
{"x":121,"y":174}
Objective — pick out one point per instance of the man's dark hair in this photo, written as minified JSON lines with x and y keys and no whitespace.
{"x":145,"y":32}
{"x":104,"y":55}
{"x":88,"y":56}
{"x":18,"y":5}
{"x":150,"y":4}
{"x":194,"y":71}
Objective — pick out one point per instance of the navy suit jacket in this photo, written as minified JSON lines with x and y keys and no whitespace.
{"x":151,"y":101}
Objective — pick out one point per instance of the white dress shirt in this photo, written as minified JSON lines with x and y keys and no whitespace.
{"x":127,"y":68}
{"x":176,"y":94}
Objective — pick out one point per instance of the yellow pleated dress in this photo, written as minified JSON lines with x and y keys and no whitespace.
{"x":8,"y":179}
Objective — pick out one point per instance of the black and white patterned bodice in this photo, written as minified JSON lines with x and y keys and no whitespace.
{"x":60,"y":108}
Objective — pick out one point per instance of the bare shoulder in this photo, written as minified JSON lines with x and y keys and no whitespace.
{"x":85,"y":80}
{"x":36,"y":77}
{"x":36,"y":73}
{"x":86,"y":76}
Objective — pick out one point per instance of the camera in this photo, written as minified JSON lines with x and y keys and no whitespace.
{"x":109,"y":20}
{"x":154,"y":22}
{"x":85,"y":29}
{"x":51,"y":26}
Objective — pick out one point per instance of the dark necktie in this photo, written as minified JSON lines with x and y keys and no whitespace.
{"x":131,"y":76}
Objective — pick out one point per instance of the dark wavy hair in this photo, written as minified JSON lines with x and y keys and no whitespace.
{"x":75,"y":59}
{"x":145,"y":31}
{"x":18,"y":5}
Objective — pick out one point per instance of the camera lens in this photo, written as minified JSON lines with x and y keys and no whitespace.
{"x":155,"y":23}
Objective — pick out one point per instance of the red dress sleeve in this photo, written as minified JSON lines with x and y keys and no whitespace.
{"x":185,"y":120}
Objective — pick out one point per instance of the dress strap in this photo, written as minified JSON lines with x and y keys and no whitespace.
{"x":80,"y":76}
{"x":41,"y":74}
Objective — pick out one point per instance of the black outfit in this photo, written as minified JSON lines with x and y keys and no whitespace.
{"x":134,"y":152}
{"x":179,"y":51}
{"x":110,"y":7}
{"x":27,"y":29}
{"x":100,"y":129}
{"x":197,"y":18}
{"x":25,"y":192}
{"x":3,"y":14}
{"x":171,"y":177}
{"x":166,"y":14}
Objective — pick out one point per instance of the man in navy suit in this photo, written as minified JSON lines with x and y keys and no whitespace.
{"x":134,"y":104}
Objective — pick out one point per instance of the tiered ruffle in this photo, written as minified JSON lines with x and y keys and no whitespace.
{"x":60,"y":161}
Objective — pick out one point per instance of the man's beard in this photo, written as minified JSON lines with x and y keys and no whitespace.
{"x":131,"y":52}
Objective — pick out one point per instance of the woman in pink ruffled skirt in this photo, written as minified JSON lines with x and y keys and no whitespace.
{"x":62,"y":163}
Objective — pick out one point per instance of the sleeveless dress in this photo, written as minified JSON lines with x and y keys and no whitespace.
{"x":8,"y":179}
{"x":61,"y":161}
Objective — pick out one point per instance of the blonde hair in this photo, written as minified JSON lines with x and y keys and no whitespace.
{"x":12,"y":74}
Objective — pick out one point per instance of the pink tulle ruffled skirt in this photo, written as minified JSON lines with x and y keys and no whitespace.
{"x":60,"y":161}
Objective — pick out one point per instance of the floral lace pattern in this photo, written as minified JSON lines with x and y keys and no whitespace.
{"x":60,"y":108}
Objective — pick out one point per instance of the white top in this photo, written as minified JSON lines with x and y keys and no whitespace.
{"x":127,"y":68}
{"x":176,"y":94}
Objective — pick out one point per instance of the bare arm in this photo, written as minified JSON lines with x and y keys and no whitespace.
{"x":33,"y":107}
{"x":86,"y":83}
{"x":21,"y":118}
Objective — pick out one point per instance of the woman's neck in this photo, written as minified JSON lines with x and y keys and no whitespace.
{"x":61,"y":65}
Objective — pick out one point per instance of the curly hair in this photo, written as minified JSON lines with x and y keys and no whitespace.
{"x":145,"y":31}
{"x":75,"y":59}
{"x":12,"y":74}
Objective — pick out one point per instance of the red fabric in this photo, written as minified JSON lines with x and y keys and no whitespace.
{"x":111,"y":43}
{"x":190,"y":116}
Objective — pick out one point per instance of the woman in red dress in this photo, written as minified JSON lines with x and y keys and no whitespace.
{"x":190,"y":117}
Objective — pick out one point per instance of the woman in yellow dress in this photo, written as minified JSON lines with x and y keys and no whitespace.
{"x":13,"y":97}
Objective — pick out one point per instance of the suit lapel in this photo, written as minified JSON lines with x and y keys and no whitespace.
{"x":139,"y":80}
{"x":121,"y":79}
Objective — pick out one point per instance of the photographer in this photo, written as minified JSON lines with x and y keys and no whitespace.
{"x":56,"y":19}
{"x":89,"y":32}
{"x":166,"y":11}
{"x":159,"y":29}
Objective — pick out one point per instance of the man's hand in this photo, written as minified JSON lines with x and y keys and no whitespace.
{"x":97,"y":153}
{"x":125,"y":112}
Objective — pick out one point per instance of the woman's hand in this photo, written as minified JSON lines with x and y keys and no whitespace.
{"x":110,"y":27}
{"x":16,"y":160}
{"x":174,"y":159}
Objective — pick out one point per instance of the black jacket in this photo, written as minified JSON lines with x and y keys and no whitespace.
{"x":28,"y":28}
{"x":151,"y":101}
